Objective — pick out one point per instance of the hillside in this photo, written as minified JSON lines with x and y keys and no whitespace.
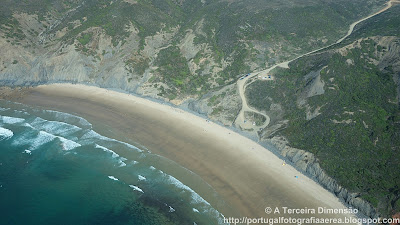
{"x":128,"y":44}
{"x":342,"y":105}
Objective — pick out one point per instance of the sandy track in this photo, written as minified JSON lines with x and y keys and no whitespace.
{"x":242,"y":84}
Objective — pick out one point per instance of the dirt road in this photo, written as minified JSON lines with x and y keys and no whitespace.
{"x":242,"y":83}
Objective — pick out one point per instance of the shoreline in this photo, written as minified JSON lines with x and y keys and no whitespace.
{"x":247,"y":178}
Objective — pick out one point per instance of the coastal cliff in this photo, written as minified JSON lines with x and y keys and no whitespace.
{"x":194,"y":62}
{"x":306,"y":163}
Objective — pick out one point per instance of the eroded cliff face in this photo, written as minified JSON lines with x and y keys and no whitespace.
{"x":309,"y":165}
{"x":143,"y":64}
{"x":98,"y":61}
{"x":173,"y":52}
{"x":384,"y":54}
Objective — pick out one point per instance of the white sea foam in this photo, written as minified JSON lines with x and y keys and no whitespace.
{"x":196,"y":198}
{"x":27,"y":151}
{"x":38,"y":120}
{"x":136,"y":188}
{"x":112,"y":178}
{"x":11,"y":120}
{"x":68,"y":144}
{"x":42,"y":138}
{"x":93,"y":134}
{"x":130,"y":146}
{"x":28,"y":125}
{"x":5,"y":134}
{"x":55,"y":127}
{"x":23,"y":112}
{"x":113,"y":154}
{"x":66,"y":129}
{"x":69,"y":118}
{"x":19,"y":112}
{"x":140,"y":177}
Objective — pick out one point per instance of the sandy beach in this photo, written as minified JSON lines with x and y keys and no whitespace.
{"x":246,"y":175}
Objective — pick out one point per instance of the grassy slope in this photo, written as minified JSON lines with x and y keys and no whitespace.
{"x":230,"y":29}
{"x":364,"y":159}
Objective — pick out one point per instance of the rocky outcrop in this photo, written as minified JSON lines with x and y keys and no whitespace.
{"x":222,"y":105}
{"x":308,"y":164}
{"x":42,"y":59}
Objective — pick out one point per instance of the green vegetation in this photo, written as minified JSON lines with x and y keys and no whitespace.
{"x":293,"y":24}
{"x":85,"y":39}
{"x":216,"y":99}
{"x":174,"y":71}
{"x":213,"y":100}
{"x":386,"y":24}
{"x":235,"y":38}
{"x":217,"y":110}
{"x":12,"y":30}
{"x":256,"y":118}
{"x":137,"y":64}
{"x":357,"y":135}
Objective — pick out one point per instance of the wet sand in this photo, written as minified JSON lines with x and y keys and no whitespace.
{"x":247,"y":176}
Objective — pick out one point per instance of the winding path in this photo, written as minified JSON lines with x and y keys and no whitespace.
{"x":242,"y":83}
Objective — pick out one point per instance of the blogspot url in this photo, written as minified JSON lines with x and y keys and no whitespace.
{"x":309,"y":220}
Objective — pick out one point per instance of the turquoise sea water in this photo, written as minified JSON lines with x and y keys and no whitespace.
{"x":54,"y":169}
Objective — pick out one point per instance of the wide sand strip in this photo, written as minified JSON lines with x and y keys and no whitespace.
{"x":246,"y":175}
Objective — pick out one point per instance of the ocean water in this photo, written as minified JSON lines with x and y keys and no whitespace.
{"x":55,"y":169}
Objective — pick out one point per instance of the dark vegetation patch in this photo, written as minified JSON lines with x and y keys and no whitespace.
{"x":357,"y":135}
